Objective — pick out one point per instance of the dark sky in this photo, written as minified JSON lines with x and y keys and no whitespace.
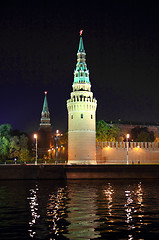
{"x":38,"y":46}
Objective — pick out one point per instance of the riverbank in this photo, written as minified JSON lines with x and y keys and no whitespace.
{"x":44,"y":172}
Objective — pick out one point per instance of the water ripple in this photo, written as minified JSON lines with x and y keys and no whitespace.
{"x":76,"y":209}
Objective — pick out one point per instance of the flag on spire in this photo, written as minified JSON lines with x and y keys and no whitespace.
{"x":81,"y":31}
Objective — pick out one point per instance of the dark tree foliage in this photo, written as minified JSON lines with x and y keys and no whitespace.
{"x":5,"y":133}
{"x":13,"y":144}
{"x":142,"y":134}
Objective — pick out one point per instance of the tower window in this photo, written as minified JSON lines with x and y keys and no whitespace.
{"x":81,"y":115}
{"x":91,"y":116}
{"x":72,"y":116}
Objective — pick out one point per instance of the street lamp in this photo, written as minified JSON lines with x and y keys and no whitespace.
{"x":57,"y":138}
{"x":127,"y":136}
{"x":36,"y":157}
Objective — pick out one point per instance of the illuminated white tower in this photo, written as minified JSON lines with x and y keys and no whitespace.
{"x":81,"y":114}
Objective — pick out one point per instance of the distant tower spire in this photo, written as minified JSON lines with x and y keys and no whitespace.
{"x":45,"y":115}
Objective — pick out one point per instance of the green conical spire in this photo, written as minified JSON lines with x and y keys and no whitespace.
{"x":81,"y":73}
{"x":45,"y":115}
{"x":81,"y":46}
{"x":45,"y":105}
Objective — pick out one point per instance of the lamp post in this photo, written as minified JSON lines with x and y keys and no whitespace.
{"x":127,"y":136}
{"x":57,"y":138}
{"x":36,"y":145}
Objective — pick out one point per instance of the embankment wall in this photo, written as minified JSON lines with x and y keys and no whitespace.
{"x":46,"y":172}
{"x":33,"y":172}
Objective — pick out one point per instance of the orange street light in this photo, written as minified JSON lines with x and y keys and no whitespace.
{"x":127,"y":136}
{"x":57,"y":138}
{"x":36,"y":157}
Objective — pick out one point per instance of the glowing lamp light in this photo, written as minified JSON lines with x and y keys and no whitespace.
{"x":128,"y":135}
{"x":107,"y":148}
{"x":36,"y":146}
{"x":45,"y":92}
{"x":35,"y":136}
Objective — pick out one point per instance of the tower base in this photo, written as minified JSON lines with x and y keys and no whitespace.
{"x":81,"y":147}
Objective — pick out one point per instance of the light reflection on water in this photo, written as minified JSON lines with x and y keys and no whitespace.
{"x":33,"y":202}
{"x":79,"y":209}
{"x":57,"y":212}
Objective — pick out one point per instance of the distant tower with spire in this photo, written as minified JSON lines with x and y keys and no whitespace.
{"x":45,"y":135}
{"x":81,"y":114}
{"x":45,"y":115}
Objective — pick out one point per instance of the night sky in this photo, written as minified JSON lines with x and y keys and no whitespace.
{"x":38,"y":45}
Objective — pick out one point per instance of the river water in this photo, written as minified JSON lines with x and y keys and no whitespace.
{"x":79,"y":209}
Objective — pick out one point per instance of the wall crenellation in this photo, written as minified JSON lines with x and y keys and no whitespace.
{"x":123,"y":145}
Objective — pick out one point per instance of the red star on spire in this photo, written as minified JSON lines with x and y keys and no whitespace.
{"x":81,"y":31}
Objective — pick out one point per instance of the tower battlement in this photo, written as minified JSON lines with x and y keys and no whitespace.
{"x":82,"y":99}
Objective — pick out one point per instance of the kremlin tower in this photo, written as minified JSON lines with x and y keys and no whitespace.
{"x":45,"y":135}
{"x":45,"y":115}
{"x":81,"y":114}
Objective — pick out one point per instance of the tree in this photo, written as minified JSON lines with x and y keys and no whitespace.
{"x":141,"y":134}
{"x":13,"y":143}
{"x":113,"y":133}
{"x":24,"y":154}
{"x":14,"y":147}
{"x":19,"y":147}
{"x":143,"y":137}
{"x":23,"y":141}
{"x":5,"y":131}
{"x":105,"y":132}
{"x":4,"y":148}
{"x":102,"y":131}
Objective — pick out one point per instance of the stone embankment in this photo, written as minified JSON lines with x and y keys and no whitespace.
{"x":44,"y":172}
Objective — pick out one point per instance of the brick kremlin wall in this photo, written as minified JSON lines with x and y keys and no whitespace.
{"x":138,"y":152}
